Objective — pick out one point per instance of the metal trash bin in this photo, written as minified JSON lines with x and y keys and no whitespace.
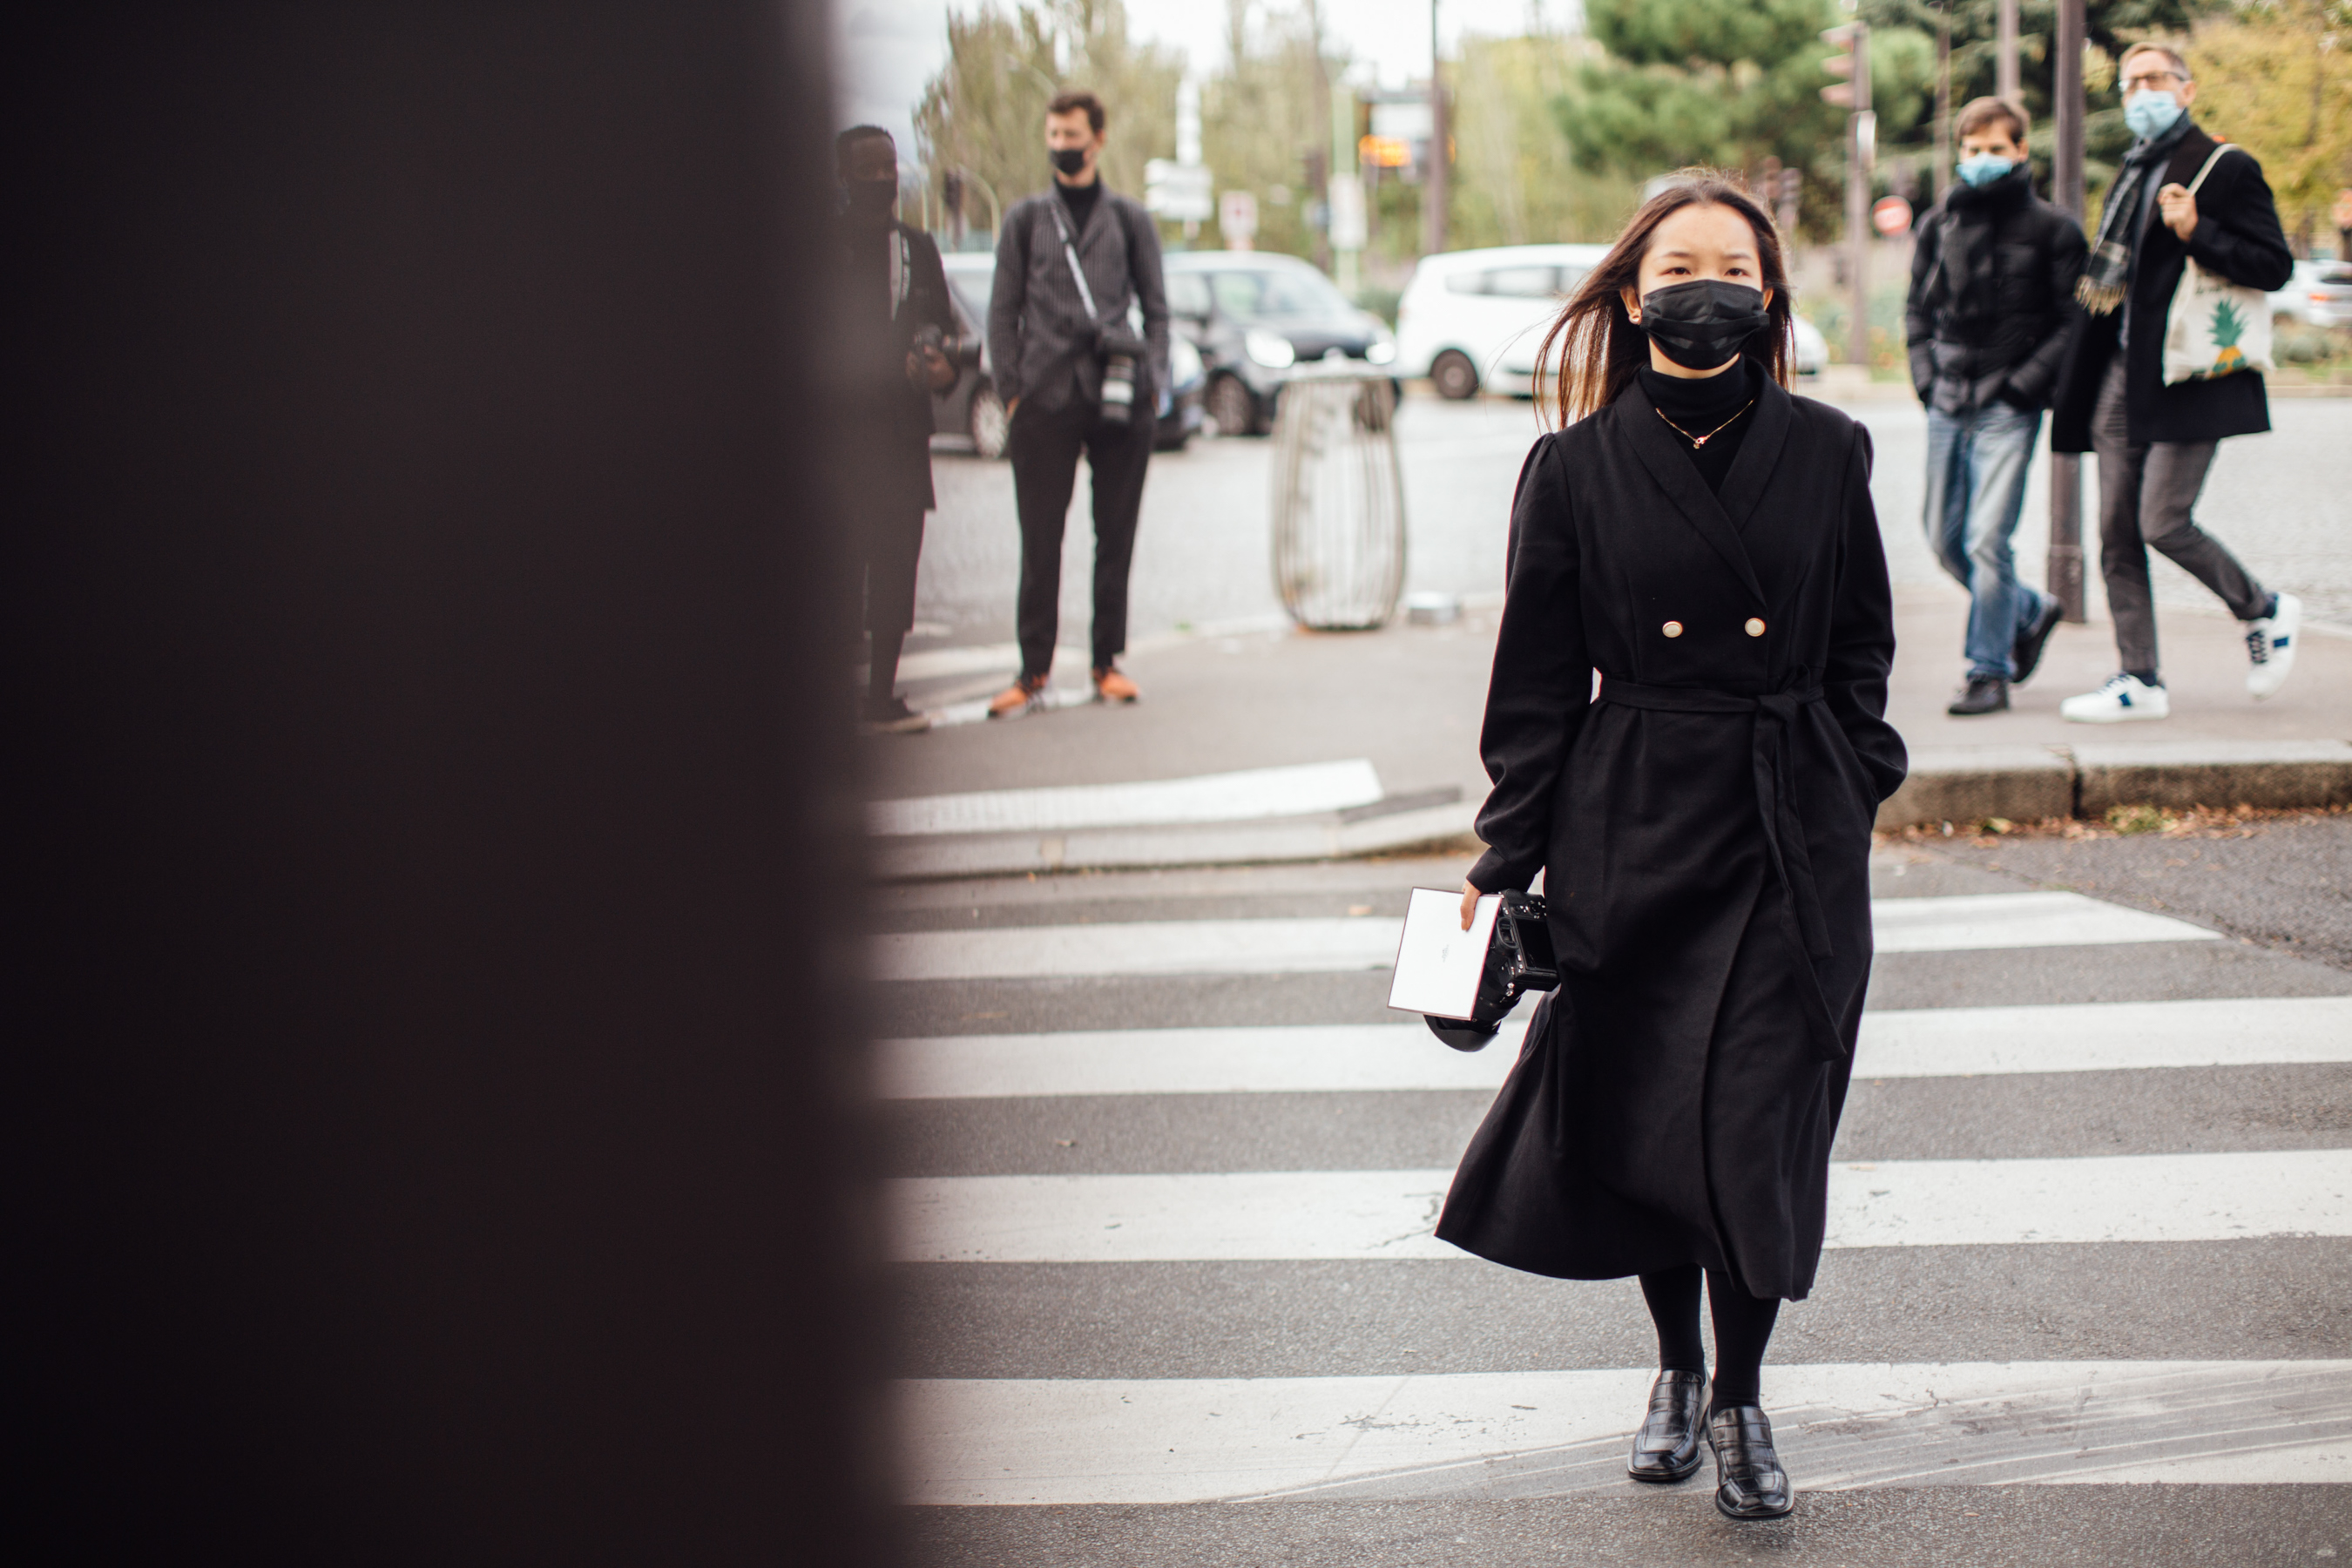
{"x":1338,"y":498}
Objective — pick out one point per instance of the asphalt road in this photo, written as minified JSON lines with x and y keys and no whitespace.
{"x":1203,"y":546}
{"x":1026,"y":1365}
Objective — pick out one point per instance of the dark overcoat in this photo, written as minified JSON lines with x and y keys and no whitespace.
{"x":1704,"y":829}
{"x":2237,"y":236}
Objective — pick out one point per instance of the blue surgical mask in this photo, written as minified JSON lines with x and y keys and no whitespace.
{"x":1981,"y":169}
{"x":2150,"y":113}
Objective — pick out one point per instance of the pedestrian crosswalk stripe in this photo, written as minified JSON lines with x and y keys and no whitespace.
{"x":1493,"y":1435}
{"x":1229,"y":1217}
{"x":1331,"y":945}
{"x":1936,"y":1042}
{"x":1209,"y":797}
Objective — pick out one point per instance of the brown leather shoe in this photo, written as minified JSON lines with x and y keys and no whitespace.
{"x":1023,"y":693}
{"x":1110,"y":686}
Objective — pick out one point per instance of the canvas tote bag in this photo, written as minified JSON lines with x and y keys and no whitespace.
{"x":2215,"y":326}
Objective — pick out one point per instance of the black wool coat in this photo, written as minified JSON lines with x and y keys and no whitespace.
{"x":2238,"y":235}
{"x":1704,"y":829}
{"x":1993,"y":296}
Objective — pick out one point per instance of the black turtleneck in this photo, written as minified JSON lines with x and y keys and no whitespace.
{"x":1080,"y":200}
{"x":1699,"y":405}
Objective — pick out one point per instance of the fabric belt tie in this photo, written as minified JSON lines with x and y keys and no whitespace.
{"x":1775,"y":774}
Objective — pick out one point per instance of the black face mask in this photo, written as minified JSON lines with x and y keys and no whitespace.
{"x":1070,"y":160}
{"x":1701,"y":324}
{"x":872,"y":201}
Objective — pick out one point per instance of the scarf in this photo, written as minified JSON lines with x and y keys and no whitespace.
{"x":2101,"y":286}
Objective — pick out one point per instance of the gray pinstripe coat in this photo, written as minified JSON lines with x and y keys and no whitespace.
{"x":1040,"y":342}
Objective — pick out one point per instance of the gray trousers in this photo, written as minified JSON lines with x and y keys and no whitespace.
{"x":2146,"y":492}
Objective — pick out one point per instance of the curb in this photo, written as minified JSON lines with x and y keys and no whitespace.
{"x":1398,"y":823}
{"x":2030,"y":783}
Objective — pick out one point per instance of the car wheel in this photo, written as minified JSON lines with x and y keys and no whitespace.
{"x":1453,"y":375}
{"x":987,"y":422}
{"x":1232,"y":407}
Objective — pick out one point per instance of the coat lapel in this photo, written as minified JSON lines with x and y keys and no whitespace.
{"x":1759,"y":454}
{"x":1671,"y":466}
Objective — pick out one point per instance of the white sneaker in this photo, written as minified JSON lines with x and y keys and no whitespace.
{"x":2272,"y":644}
{"x":2123,"y":698}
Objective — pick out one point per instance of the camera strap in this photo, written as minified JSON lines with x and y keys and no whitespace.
{"x":1070,"y":254}
{"x":902,"y":271}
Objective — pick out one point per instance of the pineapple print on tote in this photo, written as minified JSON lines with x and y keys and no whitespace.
{"x":2229,"y":326}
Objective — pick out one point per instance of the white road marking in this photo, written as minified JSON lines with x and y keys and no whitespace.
{"x":1374,"y":1214}
{"x":1019,"y":1441}
{"x":1325,"y":945}
{"x":1936,"y":1042}
{"x":1980,"y":920}
{"x":1209,"y":797}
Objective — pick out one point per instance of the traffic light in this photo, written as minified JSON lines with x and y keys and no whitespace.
{"x":1854,"y":64}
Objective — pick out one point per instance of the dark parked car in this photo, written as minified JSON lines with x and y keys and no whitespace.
{"x":970,"y":407}
{"x":1256,"y":313}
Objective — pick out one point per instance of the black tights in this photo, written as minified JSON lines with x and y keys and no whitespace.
{"x":1743,"y":1326}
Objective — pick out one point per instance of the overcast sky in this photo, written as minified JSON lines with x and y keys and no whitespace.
{"x":888,"y":48}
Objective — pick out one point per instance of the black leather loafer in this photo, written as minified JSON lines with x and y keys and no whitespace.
{"x":1666,"y":1447}
{"x":2025,"y":653}
{"x":1749,"y":1480}
{"x":1984,"y":694}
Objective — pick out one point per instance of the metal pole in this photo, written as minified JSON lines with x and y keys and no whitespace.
{"x":1943,"y":177}
{"x":1860,"y":135}
{"x":1434,"y":182}
{"x":2004,"y":64}
{"x":2065,"y":564}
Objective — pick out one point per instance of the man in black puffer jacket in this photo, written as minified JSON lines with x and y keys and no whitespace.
{"x":1990,"y":316}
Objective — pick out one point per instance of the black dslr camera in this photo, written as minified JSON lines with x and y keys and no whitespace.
{"x":1121,"y":352}
{"x":1519,"y":960}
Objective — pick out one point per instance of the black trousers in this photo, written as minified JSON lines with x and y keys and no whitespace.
{"x":890,"y":547}
{"x":2146,"y":492}
{"x":1045,"y":444}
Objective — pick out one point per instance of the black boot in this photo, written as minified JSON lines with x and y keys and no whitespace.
{"x":1984,"y":694}
{"x":2026,"y":652}
{"x":1666,"y":1447}
{"x":1749,"y":1480}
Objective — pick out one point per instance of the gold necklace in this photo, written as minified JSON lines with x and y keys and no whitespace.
{"x":1698,"y":441}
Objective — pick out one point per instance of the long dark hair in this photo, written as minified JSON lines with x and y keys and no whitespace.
{"x":1600,"y":348}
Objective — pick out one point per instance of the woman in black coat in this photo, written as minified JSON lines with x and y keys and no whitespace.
{"x":1686,"y":728}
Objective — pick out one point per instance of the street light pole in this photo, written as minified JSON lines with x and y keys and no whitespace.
{"x":1434,"y":180}
{"x":2065,"y":564}
{"x":2004,"y":61}
{"x":1862,"y":139}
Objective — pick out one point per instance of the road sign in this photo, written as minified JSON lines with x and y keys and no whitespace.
{"x":1237,"y":219}
{"x":1890,"y":217}
{"x":1177,"y":190}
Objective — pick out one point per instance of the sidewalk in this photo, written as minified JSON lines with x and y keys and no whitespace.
{"x":1407,"y":699}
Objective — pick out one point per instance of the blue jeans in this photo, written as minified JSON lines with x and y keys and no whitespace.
{"x":1976,"y":491}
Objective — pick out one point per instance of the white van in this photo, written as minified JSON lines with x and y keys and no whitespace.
{"x":1473,"y":318}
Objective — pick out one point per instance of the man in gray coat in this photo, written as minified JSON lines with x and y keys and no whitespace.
{"x":1069,"y":263}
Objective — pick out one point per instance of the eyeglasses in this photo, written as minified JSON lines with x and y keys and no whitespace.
{"x":2132,"y":84}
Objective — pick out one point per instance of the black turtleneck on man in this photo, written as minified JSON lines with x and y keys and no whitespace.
{"x":1080,"y":200}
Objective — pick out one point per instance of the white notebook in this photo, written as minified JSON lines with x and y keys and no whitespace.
{"x":1438,"y":963}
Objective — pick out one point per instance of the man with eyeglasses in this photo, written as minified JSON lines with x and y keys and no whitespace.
{"x":2155,"y":442}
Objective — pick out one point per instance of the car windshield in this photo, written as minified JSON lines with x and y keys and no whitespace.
{"x":1285,"y":293}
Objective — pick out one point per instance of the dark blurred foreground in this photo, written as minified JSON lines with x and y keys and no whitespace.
{"x":429,"y":1077}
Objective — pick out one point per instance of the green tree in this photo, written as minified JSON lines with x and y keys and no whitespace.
{"x":2276,"y":78}
{"x":984,"y":114}
{"x":1729,"y":83}
{"x":1515,"y":178}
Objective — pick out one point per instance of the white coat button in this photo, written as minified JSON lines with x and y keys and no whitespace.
{"x":1755,"y":627}
{"x":1673,"y":628}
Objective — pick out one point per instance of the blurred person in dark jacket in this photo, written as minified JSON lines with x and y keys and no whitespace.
{"x":1074,"y":378}
{"x":1991,"y":316}
{"x":897,"y":320}
{"x":2156,"y":442}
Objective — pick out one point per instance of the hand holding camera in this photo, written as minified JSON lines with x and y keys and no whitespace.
{"x":929,"y":369}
